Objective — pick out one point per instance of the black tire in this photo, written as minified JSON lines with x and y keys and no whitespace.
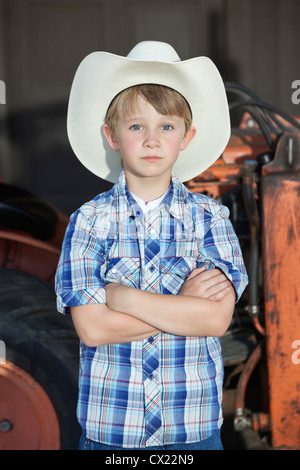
{"x":43,"y":343}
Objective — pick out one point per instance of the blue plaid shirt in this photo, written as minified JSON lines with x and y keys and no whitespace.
{"x":165,"y":389}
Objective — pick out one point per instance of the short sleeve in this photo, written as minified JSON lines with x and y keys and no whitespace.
{"x":221,"y":249}
{"x":78,"y":277}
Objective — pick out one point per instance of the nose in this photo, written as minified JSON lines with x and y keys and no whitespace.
{"x":151,"y":139}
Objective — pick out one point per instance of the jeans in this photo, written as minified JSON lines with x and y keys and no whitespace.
{"x":211,"y":443}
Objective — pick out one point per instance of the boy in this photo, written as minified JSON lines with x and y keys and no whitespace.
{"x":151,"y":367}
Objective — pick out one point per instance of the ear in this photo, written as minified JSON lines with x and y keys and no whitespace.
{"x":110,"y":137}
{"x":190,"y":134}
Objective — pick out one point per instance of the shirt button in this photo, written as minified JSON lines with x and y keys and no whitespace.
{"x":150,"y":376}
{"x":152,"y":268}
{"x":184,"y":269}
{"x":151,"y":339}
{"x":152,"y":231}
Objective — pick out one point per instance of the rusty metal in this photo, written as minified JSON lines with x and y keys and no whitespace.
{"x":272,"y":202}
{"x":25,"y":253}
{"x":260,"y":422}
{"x":249,"y":183}
{"x":244,"y":419}
{"x":225,"y":174}
{"x":28,"y":420}
{"x":280,"y":201}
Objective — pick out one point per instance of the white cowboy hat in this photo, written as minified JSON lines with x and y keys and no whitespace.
{"x":101,"y":76}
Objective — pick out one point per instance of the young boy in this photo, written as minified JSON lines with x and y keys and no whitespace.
{"x":149,"y":271}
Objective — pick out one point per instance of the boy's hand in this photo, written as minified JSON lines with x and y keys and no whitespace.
{"x":206,"y":283}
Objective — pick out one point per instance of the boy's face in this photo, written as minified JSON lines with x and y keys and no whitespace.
{"x":149,"y":142}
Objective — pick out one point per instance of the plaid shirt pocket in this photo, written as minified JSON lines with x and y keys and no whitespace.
{"x":124,"y":270}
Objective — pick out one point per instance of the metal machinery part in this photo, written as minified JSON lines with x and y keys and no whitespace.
{"x":263,"y":161}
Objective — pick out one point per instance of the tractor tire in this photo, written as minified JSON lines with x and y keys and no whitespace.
{"x":39,"y":374}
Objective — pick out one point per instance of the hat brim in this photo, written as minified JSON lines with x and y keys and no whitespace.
{"x":101,"y":76}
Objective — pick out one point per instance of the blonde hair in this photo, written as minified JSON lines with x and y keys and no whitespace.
{"x":165,"y":101}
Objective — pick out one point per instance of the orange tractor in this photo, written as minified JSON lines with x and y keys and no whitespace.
{"x":39,"y":364}
{"x":258,"y":178}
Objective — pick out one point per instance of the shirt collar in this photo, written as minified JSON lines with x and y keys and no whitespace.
{"x":150,"y":205}
{"x":123,"y":200}
{"x":175,"y":200}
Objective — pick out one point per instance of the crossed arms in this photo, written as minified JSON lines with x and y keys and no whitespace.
{"x":203,"y":307}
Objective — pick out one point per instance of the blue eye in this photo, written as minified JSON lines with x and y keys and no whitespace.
{"x":167,"y":127}
{"x":136,"y":127}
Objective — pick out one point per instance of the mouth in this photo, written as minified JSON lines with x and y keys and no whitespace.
{"x":152,"y":159}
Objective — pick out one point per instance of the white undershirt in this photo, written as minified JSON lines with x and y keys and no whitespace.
{"x":150,"y":205}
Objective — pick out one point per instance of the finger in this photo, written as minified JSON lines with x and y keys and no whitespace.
{"x":220,"y":295}
{"x":206,"y":274}
{"x":217,"y":287}
{"x":211,"y":273}
{"x":196,"y":271}
{"x":208,"y":280}
{"x":216,"y":280}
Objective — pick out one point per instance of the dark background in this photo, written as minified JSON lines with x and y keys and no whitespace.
{"x":253,"y":42}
